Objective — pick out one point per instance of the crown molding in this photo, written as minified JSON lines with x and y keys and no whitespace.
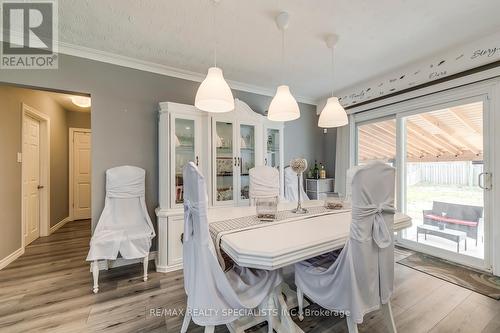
{"x":124,"y":61}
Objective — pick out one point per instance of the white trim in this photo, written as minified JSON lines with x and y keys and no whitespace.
{"x":72,"y":131}
{"x":167,"y":268}
{"x":115,"y":59}
{"x":119,"y":262}
{"x":11,"y":257}
{"x":59,"y":224}
{"x":44,"y":170}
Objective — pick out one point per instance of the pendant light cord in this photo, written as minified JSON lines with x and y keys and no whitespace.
{"x":333,"y":69}
{"x":214,"y":31}
{"x":282,"y":56}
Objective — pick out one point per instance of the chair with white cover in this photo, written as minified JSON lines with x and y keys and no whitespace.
{"x":209,"y":289}
{"x":124,"y":227}
{"x":264,"y":183}
{"x":361,"y":279}
{"x":291,"y":188}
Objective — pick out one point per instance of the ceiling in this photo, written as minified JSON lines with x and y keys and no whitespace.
{"x":376,"y":37}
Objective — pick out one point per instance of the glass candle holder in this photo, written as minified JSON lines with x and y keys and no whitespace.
{"x":267,"y":208}
{"x":334,"y":203}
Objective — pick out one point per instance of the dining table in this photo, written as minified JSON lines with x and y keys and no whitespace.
{"x":281,"y":244}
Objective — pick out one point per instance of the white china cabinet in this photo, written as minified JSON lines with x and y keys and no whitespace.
{"x":225,"y":147}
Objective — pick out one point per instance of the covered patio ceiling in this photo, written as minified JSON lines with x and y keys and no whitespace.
{"x":451,"y":134}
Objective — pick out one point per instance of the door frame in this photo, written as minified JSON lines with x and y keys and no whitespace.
{"x":71,"y":179}
{"x":489,"y":90}
{"x":28,"y":111}
{"x":485,"y":263}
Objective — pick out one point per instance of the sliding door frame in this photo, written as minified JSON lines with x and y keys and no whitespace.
{"x":488,"y":92}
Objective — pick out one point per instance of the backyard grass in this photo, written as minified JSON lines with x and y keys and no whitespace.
{"x":421,"y":196}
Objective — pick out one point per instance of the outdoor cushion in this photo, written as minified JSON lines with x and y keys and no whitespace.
{"x":450,"y":220}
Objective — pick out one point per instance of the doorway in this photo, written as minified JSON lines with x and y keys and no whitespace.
{"x":80,"y":173}
{"x":446,"y":187}
{"x":35,"y":158}
{"x":442,"y":149}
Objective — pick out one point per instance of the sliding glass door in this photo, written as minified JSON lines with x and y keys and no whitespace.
{"x":442,"y":160}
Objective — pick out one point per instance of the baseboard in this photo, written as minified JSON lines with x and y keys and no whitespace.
{"x":119,"y":262}
{"x":59,"y":224}
{"x":11,"y":257}
{"x":168,"y":269}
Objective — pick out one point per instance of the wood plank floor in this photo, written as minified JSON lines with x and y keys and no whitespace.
{"x":48,"y":289}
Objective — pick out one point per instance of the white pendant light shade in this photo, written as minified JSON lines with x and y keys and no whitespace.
{"x":283,"y":106}
{"x":214,"y":94}
{"x":333,"y":114}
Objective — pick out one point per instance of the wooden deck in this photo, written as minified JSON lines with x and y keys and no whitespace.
{"x":48,"y":289}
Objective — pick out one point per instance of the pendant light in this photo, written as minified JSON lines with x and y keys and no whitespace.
{"x":283,"y":107}
{"x":333,"y":114}
{"x":214,"y":94}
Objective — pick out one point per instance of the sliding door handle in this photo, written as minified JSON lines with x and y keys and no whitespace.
{"x":484,"y":180}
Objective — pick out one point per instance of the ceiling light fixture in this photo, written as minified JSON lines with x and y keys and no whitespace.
{"x":283,"y":107}
{"x":333,"y":114}
{"x":81,"y":101}
{"x":214,"y":94}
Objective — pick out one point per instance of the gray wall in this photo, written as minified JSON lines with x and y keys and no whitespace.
{"x":330,"y":151}
{"x":124,"y":116}
{"x":11,"y":99}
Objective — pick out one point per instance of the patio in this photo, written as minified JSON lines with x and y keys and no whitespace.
{"x":421,"y":197}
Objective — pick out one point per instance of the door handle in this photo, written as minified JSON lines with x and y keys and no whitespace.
{"x":40,"y":187}
{"x":239,"y":161}
{"x":265,"y":161}
{"x":481,"y":180}
{"x":235,"y":163}
{"x":197,"y":161}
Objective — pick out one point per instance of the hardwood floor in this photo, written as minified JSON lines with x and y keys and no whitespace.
{"x":48,"y":289}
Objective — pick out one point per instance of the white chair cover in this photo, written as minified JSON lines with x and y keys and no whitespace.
{"x":362,"y":277}
{"x":291,"y":189}
{"x":124,"y":226}
{"x":264,"y":182}
{"x":209,"y":289}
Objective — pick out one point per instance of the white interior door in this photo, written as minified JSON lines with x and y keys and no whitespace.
{"x":31,"y":179}
{"x":81,"y":175}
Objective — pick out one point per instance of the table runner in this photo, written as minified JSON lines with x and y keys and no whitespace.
{"x":224,"y":227}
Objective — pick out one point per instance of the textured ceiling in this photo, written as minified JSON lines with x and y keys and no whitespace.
{"x":376,"y":37}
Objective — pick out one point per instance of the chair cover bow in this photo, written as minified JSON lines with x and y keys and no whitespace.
{"x":379,"y":232}
{"x":189,"y":211}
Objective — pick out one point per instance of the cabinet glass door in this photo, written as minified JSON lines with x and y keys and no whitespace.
{"x":272,"y":157}
{"x":224,"y":172}
{"x":246,"y":160}
{"x":184,"y":151}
